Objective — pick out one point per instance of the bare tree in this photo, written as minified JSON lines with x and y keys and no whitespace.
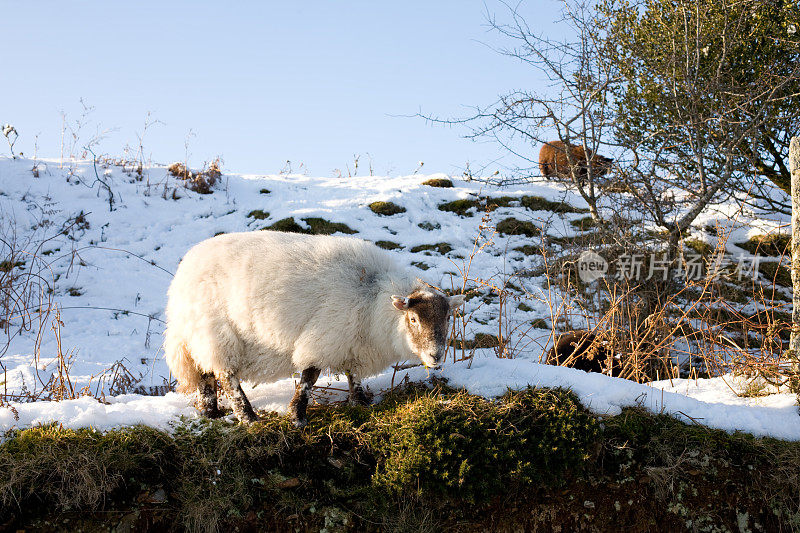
{"x":694,"y":93}
{"x":576,"y":109}
{"x":673,"y":89}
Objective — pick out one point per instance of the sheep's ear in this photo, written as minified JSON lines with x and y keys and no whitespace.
{"x":400,"y":303}
{"x":455,"y":301}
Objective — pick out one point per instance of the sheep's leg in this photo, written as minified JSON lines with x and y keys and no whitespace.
{"x":207,"y":396}
{"x":299,"y":403}
{"x":357,"y":395}
{"x":241,"y":405}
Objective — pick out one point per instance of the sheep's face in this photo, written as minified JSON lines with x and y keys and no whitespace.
{"x":426,"y":319}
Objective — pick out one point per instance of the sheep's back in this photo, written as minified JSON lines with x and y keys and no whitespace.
{"x":273,"y":288}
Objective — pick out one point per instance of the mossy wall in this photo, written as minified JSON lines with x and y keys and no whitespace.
{"x":422,"y":460}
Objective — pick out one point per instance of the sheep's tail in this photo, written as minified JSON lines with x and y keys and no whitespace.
{"x":181,"y":364}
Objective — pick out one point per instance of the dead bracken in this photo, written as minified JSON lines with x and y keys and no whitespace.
{"x":201,"y":181}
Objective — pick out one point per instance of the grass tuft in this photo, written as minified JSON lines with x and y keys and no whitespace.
{"x":481,"y":340}
{"x":386,"y":208}
{"x":537,"y":203}
{"x":438,"y":182}
{"x":773,"y":271}
{"x":387,"y":245}
{"x":583,"y":224}
{"x":316,"y":226}
{"x":287,"y":224}
{"x":429,"y":226}
{"x":441,"y":248}
{"x":699,"y":247}
{"x":463,"y":207}
{"x":512,"y":226}
{"x":775,"y":244}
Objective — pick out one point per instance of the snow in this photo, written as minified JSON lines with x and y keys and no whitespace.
{"x":716,"y":405}
{"x":119,"y":268}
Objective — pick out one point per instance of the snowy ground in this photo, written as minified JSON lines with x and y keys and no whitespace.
{"x":111,"y":273}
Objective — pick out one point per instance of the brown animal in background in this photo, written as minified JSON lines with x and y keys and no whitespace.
{"x":554,"y":163}
{"x":584,"y":351}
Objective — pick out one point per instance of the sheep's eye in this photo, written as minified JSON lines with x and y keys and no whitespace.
{"x":413,"y":320}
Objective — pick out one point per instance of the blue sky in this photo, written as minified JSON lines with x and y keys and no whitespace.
{"x":260,"y":83}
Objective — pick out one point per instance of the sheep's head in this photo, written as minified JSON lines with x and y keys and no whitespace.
{"x":426,"y":317}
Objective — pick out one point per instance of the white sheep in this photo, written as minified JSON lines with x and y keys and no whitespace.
{"x":260,"y":306}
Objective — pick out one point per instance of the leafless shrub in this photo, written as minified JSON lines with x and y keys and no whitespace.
{"x":116,"y":379}
{"x":25,"y":280}
{"x":664,"y":329}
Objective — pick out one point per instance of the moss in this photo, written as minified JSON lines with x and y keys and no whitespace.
{"x":387,"y":245}
{"x":320,"y":226}
{"x":462,"y":207}
{"x":386,"y":208}
{"x":775,"y":244}
{"x":540,"y":323}
{"x":264,"y":191}
{"x":422,"y":459}
{"x":524,"y":307}
{"x":537,"y":203}
{"x":438,"y":182}
{"x":316,"y":226}
{"x":74,"y":291}
{"x":459,"y":207}
{"x":501,"y":201}
{"x":481,"y":340}
{"x":584,"y":223}
{"x":528,"y":249}
{"x":441,"y":248}
{"x":775,"y":272}
{"x":699,"y":247}
{"x":512,"y":226}
{"x":420,"y":265}
{"x":258,"y":214}
{"x":287,"y":224}
{"x":527,"y":438}
{"x":78,"y":468}
{"x":429,"y":226}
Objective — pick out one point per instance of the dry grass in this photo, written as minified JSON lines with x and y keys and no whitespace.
{"x":438,"y":182}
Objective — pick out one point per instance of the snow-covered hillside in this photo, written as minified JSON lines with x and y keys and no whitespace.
{"x":110,"y":269}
